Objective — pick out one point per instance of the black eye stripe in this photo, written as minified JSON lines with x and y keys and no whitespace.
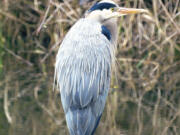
{"x":101,"y":6}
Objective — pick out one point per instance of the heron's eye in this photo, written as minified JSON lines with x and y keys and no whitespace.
{"x":112,"y":9}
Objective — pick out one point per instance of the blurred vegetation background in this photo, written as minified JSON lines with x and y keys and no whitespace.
{"x":144,"y":98}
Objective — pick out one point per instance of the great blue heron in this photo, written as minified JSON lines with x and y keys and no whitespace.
{"x":83,"y":65}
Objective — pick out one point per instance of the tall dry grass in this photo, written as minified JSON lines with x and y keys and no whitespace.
{"x":145,"y":90}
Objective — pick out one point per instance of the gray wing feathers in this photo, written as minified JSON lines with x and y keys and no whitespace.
{"x":83,"y":68}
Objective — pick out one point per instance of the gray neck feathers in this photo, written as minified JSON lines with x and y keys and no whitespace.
{"x":111,"y":24}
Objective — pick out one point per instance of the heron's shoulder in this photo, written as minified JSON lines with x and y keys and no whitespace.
{"x":85,"y":34}
{"x":85,"y":25}
{"x":84,"y":31}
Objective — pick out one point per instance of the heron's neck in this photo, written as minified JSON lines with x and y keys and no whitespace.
{"x":113,"y":28}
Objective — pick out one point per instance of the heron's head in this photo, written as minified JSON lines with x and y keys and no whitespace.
{"x":106,"y":13}
{"x":107,"y":9}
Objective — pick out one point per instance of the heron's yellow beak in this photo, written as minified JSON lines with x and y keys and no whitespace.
{"x":128,"y":11}
{"x":120,"y":11}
